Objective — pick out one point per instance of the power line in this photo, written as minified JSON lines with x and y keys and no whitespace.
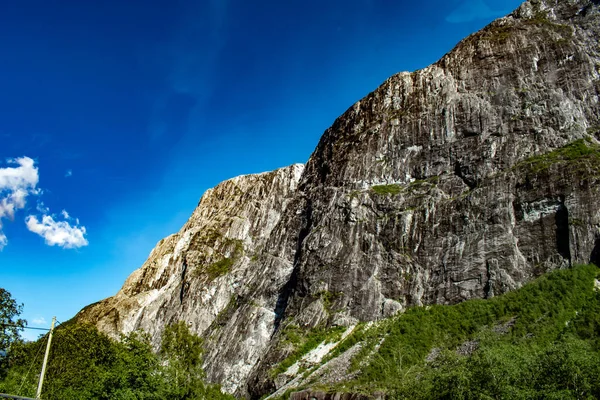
{"x":14,"y":397}
{"x":25,"y":327}
{"x":31,"y":366}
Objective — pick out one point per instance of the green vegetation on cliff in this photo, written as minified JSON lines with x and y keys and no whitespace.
{"x":302,"y":342}
{"x":581,"y":154}
{"x":392,"y":189}
{"x":235,"y":249}
{"x":539,"y":342}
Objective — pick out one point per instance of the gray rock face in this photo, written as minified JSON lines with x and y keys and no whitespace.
{"x":308,"y":395}
{"x":465,"y":179}
{"x":215,"y":275}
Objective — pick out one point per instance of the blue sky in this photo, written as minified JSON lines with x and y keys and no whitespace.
{"x":122,"y":113}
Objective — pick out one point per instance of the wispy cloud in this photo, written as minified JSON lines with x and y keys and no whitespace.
{"x":17,"y":182}
{"x":192,"y":58}
{"x":41,"y":321}
{"x":58,"y":233}
{"x":472,"y":10}
{"x":69,"y":173}
{"x":41,"y":208}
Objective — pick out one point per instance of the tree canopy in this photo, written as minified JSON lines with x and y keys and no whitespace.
{"x":10,"y":323}
{"x":86,"y":364}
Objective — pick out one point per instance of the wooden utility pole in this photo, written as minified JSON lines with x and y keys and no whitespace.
{"x":41,"y":382}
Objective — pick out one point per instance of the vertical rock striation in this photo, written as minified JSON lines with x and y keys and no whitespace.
{"x":465,"y":179}
{"x":215,"y":274}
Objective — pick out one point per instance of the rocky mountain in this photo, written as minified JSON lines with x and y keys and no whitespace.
{"x":463,"y":180}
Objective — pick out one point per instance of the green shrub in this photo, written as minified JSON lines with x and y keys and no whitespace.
{"x":219,"y":268}
{"x":580,"y":153}
{"x":393,"y":189}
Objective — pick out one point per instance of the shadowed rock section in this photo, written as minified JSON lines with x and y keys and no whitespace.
{"x":462,"y":180}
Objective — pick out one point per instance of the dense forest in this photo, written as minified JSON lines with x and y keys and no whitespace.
{"x":86,"y":364}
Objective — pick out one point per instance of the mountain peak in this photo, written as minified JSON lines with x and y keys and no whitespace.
{"x":465,"y":179}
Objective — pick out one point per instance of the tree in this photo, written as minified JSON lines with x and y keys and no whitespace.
{"x":10,"y":324}
{"x":85,"y":364}
{"x":136,"y":372}
{"x":181,"y":353}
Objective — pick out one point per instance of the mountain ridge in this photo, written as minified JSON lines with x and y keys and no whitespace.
{"x":432,"y":189}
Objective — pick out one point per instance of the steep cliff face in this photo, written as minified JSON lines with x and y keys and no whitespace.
{"x":428,"y":191}
{"x":407,"y":182}
{"x":465,"y":179}
{"x":208,"y":274}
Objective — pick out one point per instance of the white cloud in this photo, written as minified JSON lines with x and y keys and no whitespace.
{"x":3,"y":240}
{"x":16,"y":183}
{"x":23,"y":176}
{"x":57,"y":233}
{"x":68,"y":173}
{"x":39,"y":321}
{"x":41,"y":207}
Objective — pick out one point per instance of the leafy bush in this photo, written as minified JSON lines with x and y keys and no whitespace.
{"x":386,"y":189}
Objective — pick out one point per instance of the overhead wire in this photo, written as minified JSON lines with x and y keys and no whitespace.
{"x":68,"y":333}
{"x":24,"y":327}
{"x":31,"y":366}
{"x":65,"y":329}
{"x":58,"y":323}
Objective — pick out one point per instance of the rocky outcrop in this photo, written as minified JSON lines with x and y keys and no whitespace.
{"x":462,"y":180}
{"x":429,"y":191}
{"x":216,"y":275}
{"x":310,"y":395}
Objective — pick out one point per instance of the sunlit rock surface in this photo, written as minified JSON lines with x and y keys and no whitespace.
{"x":462,"y":180}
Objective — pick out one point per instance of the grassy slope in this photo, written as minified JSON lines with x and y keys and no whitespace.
{"x":544,"y":314}
{"x":541,"y":341}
